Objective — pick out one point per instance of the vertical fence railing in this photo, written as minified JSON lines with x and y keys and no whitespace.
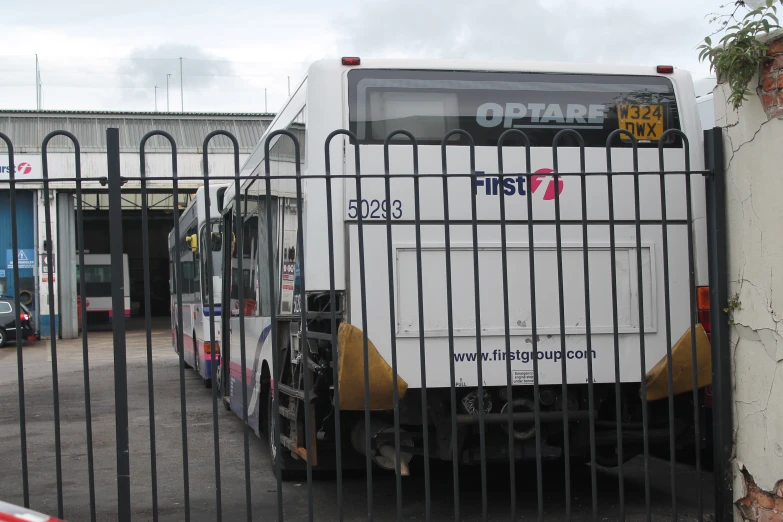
{"x":82,"y":303}
{"x":507,"y":317}
{"x":721,"y":354}
{"x":450,"y":332}
{"x":211,"y":303}
{"x":585,"y":420}
{"x":276,"y":362}
{"x":476,"y":305}
{"x":145,"y":254}
{"x":642,"y":341}
{"x":240,"y":211}
{"x":17,"y":320}
{"x":332,"y":308}
{"x":615,"y":321}
{"x":667,"y":305}
{"x":393,"y":323}
{"x":692,"y":324}
{"x":118,"y":326}
{"x":53,"y":334}
{"x":556,"y":181}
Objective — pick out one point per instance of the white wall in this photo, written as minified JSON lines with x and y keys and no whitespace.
{"x":93,"y":165}
{"x":754,"y":186}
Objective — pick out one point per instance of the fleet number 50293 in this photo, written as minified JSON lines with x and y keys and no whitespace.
{"x":374,"y":209}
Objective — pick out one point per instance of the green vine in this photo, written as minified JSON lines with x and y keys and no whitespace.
{"x":737,"y":56}
{"x":734,"y":304}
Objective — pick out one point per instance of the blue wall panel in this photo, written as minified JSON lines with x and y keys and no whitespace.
{"x":25,"y":226}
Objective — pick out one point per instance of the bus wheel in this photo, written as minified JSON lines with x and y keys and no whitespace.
{"x":224,"y":397}
{"x":196,"y":360}
{"x":208,"y":380}
{"x":176,"y":348}
{"x":288,"y":469}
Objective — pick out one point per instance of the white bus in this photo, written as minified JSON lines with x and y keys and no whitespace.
{"x":97,"y":280}
{"x":704,"y":100}
{"x":197,"y":242}
{"x":429,"y":99}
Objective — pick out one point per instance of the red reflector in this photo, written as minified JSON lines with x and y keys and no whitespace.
{"x":665,"y":69}
{"x":208,"y":348}
{"x":704,"y":319}
{"x":703,"y":298}
{"x":351,"y":60}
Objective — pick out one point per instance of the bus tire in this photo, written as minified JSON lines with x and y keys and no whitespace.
{"x":196,"y":360}
{"x":222,"y":388}
{"x":176,"y":347}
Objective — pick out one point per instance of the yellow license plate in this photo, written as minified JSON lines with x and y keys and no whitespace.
{"x":644,"y":122}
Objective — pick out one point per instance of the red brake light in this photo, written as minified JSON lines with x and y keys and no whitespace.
{"x":703,"y":308}
{"x":24,"y":317}
{"x":704,"y":319}
{"x":665,"y":69}
{"x":351,"y":60}
{"x":703,"y":298}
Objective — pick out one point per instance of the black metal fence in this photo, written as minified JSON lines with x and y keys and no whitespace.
{"x":597,"y":425}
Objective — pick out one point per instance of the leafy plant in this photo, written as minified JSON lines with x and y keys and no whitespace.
{"x":737,"y":56}
{"x":734,"y":304}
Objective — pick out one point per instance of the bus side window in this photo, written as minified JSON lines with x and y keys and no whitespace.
{"x":248,"y":250}
{"x":186,"y":265}
{"x":172,"y":279}
{"x":264,"y":288}
{"x":250,"y":264}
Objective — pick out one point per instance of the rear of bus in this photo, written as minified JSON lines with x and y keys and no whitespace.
{"x":430,"y":99}
{"x":210,"y":247}
{"x":97,"y":292}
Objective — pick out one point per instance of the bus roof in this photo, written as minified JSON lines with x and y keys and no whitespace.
{"x":500,"y":66}
{"x":199,"y":196}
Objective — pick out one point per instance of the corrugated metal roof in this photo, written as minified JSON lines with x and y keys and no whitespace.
{"x":112,"y":114}
{"x":27,"y":129}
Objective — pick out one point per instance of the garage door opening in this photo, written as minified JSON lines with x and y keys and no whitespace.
{"x":160,"y":216}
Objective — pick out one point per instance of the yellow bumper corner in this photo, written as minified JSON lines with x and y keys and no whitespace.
{"x":682,"y":367}
{"x":350,"y":367}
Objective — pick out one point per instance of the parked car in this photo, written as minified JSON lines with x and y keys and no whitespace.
{"x":8,"y":314}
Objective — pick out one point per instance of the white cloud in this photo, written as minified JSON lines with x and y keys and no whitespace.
{"x":108,"y":56}
{"x":601,"y":31}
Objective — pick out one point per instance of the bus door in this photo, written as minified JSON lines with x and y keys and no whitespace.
{"x":289,"y":298}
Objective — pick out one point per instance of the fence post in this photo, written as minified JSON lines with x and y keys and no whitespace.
{"x":722,"y":427}
{"x":118,"y":324}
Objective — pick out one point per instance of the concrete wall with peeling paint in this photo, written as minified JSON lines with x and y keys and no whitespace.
{"x":753,"y":139}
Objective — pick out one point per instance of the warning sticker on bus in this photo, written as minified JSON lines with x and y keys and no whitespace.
{"x":523,"y":377}
{"x":644,"y":122}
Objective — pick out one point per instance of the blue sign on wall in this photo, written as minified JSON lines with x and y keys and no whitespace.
{"x":25,"y":257}
{"x":2,"y":273}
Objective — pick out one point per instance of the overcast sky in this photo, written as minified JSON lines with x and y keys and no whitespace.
{"x":103,"y":55}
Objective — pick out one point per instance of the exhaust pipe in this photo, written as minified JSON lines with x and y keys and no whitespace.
{"x":384,"y":454}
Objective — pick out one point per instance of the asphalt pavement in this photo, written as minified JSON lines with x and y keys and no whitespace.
{"x":41,"y":456}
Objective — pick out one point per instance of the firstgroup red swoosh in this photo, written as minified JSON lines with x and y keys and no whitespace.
{"x":543,"y":175}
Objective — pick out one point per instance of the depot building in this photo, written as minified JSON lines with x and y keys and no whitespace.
{"x":27,"y":130}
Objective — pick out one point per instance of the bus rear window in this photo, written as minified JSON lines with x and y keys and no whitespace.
{"x":97,"y":279}
{"x":429,"y":104}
